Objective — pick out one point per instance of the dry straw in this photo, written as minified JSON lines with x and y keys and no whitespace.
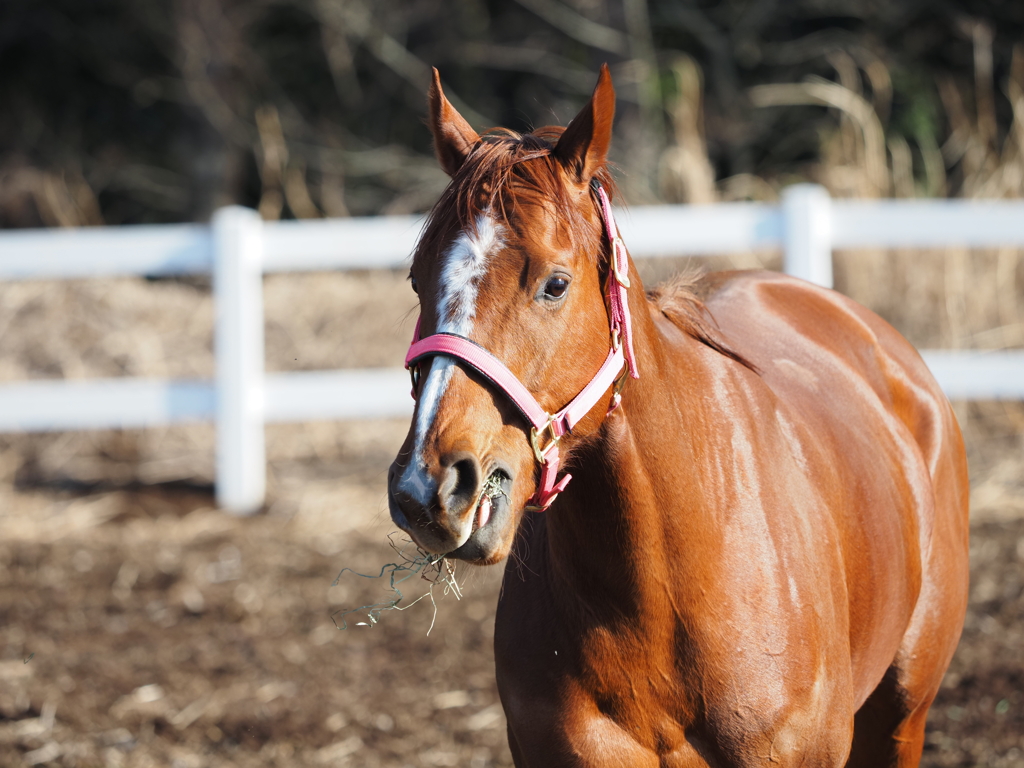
{"x":434,"y":569}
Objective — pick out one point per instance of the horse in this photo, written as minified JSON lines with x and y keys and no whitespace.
{"x":762,"y":555}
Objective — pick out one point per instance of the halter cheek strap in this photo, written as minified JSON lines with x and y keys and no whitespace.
{"x":618,"y":299}
{"x":546,"y":430}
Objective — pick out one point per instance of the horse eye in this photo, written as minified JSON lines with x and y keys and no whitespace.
{"x":415,"y":288}
{"x":556,"y":288}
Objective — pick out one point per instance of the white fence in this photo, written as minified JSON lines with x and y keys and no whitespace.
{"x":237,"y":249}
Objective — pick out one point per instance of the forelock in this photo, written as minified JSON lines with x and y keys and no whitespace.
{"x":504,"y":166}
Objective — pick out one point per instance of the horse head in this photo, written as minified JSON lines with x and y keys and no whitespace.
{"x":511,"y":261}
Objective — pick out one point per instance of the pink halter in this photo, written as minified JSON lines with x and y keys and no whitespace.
{"x":556,"y":425}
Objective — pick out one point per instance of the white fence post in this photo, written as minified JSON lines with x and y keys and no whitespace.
{"x":238,"y":345}
{"x":807,"y":233}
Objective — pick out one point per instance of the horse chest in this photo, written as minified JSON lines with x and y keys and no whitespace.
{"x":601,"y":698}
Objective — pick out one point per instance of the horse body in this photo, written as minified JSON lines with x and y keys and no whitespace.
{"x":806,"y":581}
{"x":762,"y":555}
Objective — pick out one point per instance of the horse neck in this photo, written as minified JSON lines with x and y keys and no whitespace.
{"x":635,"y":498}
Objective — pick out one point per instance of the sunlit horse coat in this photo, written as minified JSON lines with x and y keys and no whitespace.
{"x":761,"y":558}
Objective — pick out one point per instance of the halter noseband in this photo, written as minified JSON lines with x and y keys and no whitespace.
{"x":558,"y":424}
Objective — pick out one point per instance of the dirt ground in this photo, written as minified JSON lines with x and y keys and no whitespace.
{"x":141,"y":627}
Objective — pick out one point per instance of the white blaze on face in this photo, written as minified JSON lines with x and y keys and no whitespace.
{"x":464,"y":265}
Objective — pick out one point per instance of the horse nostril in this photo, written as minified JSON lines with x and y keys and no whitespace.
{"x":461,"y":483}
{"x":468,"y":478}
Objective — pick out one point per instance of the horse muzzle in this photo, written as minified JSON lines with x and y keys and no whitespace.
{"x":454,"y":510}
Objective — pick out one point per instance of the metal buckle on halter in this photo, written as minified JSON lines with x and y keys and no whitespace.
{"x":542,"y":453}
{"x":622,"y":279}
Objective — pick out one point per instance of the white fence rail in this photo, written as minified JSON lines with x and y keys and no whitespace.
{"x":238,"y":248}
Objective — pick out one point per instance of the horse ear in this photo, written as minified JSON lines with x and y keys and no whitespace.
{"x":583,"y":148}
{"x":454,"y":139}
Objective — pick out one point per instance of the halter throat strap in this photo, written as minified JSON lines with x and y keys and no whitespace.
{"x":547,"y":429}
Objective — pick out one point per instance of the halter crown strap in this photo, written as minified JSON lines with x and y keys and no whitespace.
{"x":544,"y":426}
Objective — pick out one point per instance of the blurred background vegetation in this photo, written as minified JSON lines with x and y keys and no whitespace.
{"x":128,"y":111}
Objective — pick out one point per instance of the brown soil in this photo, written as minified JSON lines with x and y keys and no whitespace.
{"x":170,"y":634}
{"x":140,"y":627}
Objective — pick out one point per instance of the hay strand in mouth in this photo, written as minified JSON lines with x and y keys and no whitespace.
{"x":492,"y":485}
{"x":435,"y":569}
{"x":490,"y":491}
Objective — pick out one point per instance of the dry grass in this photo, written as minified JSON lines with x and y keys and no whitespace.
{"x":133,"y":327}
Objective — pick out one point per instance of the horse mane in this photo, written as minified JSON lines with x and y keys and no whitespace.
{"x":504,"y":159}
{"x":679,"y":299}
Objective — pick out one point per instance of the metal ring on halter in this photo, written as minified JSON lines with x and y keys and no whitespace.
{"x":541,"y":453}
{"x":620,"y":380}
{"x":541,"y":508}
{"x":623,"y":279}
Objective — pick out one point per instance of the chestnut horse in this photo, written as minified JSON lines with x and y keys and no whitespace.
{"x":762,"y":555}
